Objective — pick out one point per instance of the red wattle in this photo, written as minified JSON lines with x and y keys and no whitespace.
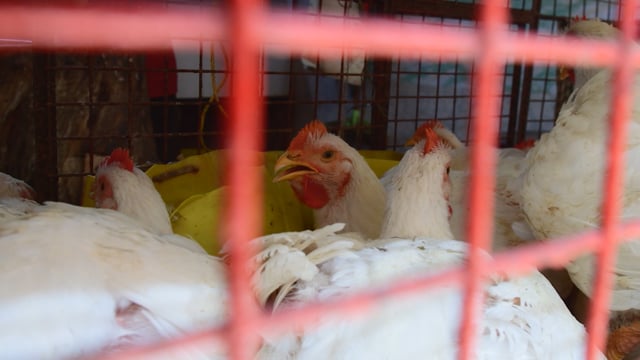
{"x":312,"y":194}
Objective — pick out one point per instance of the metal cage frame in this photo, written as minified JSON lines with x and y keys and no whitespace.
{"x":250,"y":26}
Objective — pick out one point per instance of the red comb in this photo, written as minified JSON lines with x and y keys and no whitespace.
{"x":429,"y":124}
{"x":577,"y":18}
{"x":315,"y":127}
{"x":432,"y":140}
{"x":420,"y":131}
{"x":121,"y":157}
{"x":525,"y":144}
{"x":433,"y":124}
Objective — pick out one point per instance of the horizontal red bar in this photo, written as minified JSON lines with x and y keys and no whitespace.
{"x":154,"y":27}
{"x":201,"y":341}
{"x":120,"y":28}
{"x":392,"y":38}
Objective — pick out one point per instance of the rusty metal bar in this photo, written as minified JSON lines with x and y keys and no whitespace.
{"x":461,"y":10}
{"x":44,"y":97}
{"x":527,"y":83}
{"x":91,"y":73}
{"x":523,"y":111}
{"x":130,"y":76}
{"x":514,"y":101}
{"x":380,"y":107}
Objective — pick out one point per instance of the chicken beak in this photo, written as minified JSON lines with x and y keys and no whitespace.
{"x":287,"y":168}
{"x":410,"y":142}
{"x":564,"y":73}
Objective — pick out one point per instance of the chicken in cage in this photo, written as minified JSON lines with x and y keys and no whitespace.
{"x":199,"y":183}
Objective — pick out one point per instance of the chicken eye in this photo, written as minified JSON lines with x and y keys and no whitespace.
{"x":327,"y":155}
{"x":448,"y":170}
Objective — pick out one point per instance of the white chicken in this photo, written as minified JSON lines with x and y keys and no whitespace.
{"x":123,"y":187}
{"x":562,"y":188}
{"x":11,"y":187}
{"x":333,"y":179}
{"x":510,"y":228}
{"x":522,"y":318}
{"x":77,"y":281}
{"x":507,"y":197}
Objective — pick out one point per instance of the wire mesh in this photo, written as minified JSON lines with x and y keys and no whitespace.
{"x":189,"y":92}
{"x":251,"y":27}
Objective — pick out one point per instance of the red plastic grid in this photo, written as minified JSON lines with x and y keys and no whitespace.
{"x":250,"y":26}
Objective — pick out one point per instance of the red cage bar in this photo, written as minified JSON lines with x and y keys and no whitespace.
{"x":250,"y":27}
{"x":483,"y":162}
{"x":621,"y":101}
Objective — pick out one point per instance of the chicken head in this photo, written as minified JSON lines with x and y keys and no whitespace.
{"x":103,"y":188}
{"x":316,"y":165}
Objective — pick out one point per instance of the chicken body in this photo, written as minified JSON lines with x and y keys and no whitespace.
{"x":418,"y":192}
{"x":522,"y":318}
{"x":508,"y":168}
{"x":507,"y":212}
{"x":80,"y":281}
{"x":334,"y":180}
{"x":562,"y":188}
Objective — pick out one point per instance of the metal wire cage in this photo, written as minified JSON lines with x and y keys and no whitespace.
{"x":76,"y":104}
{"x":250,"y":26}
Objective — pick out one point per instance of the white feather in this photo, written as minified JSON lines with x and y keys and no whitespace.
{"x":137,"y":197}
{"x":424,"y":175}
{"x":506,"y":197}
{"x":523,"y":318}
{"x":69,"y":275}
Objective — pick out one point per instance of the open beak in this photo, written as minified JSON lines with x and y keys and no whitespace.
{"x":286,"y":168}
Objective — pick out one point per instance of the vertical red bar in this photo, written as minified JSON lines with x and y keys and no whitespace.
{"x":244,"y":202}
{"x":483,"y":160}
{"x":621,"y":100}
